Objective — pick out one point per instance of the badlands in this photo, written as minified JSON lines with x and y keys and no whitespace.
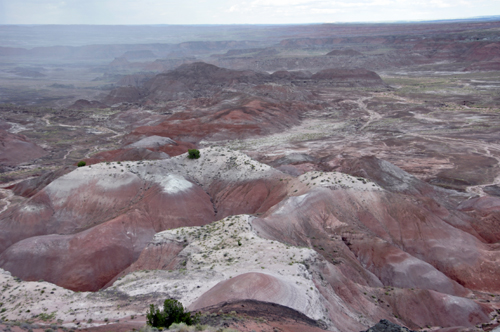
{"x":348,"y":178}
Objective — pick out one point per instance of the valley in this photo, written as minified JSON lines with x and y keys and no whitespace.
{"x":347,"y":174}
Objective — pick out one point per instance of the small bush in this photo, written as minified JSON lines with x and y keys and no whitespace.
{"x":47,"y":317}
{"x":173,"y":312}
{"x":81,"y":163}
{"x":193,"y":153}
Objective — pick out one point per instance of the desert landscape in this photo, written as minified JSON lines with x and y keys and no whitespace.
{"x":348,"y":176}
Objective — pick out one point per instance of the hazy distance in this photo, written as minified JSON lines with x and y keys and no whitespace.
{"x":132,"y":12}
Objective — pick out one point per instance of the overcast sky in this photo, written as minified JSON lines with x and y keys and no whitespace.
{"x":239,"y":12}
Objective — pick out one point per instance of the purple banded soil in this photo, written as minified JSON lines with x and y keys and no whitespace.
{"x":348,"y":178}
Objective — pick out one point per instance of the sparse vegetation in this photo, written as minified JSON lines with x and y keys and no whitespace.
{"x":81,"y":163}
{"x":47,"y":317}
{"x":193,"y":153}
{"x":173,"y":312}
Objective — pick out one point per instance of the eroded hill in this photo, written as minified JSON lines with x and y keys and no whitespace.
{"x":342,"y":180}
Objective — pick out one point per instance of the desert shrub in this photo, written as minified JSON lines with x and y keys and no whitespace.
{"x":47,"y":317}
{"x":173,"y":312}
{"x":81,"y":163}
{"x":193,"y":153}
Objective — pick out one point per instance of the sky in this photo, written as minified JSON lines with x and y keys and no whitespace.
{"x":118,"y":12}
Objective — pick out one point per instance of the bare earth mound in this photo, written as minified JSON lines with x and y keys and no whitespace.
{"x":16,"y":149}
{"x":347,"y":190}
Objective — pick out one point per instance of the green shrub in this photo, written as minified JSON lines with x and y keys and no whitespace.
{"x":193,"y":153}
{"x":47,"y":317}
{"x":81,"y":163}
{"x":173,"y":312}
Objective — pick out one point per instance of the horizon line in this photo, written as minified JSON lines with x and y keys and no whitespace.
{"x":474,"y":18}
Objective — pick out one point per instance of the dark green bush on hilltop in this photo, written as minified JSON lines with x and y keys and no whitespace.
{"x":193,"y":153}
{"x":81,"y":163}
{"x":173,"y":312}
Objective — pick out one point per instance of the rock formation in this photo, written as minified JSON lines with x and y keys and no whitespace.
{"x":335,"y":190}
{"x":332,"y":246}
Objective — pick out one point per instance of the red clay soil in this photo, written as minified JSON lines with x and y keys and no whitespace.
{"x":358,"y":76}
{"x":130,"y":154}
{"x":103,"y":225}
{"x":419,"y":308}
{"x":129,"y":94}
{"x":136,"y":154}
{"x":154,"y":257}
{"x":485,"y":213}
{"x":254,"y":117}
{"x":248,"y":315}
{"x":252,"y":286}
{"x":186,"y":81}
{"x":248,"y":197}
{"x":117,"y":327}
{"x":229,"y":199}
{"x":30,"y":187}
{"x":197,"y":76}
{"x":91,"y":223}
{"x":16,"y":149}
{"x":484,"y":51}
{"x":82,"y":104}
{"x":244,"y":316}
{"x":134,"y":80}
{"x":397,"y":268}
{"x":346,"y":52}
{"x":86,"y":206}
{"x":340,"y":226}
{"x":484,"y":66}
